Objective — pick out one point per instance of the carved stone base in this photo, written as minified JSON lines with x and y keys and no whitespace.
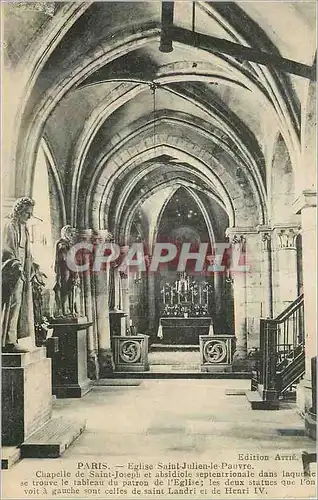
{"x":131,"y":353}
{"x":216,"y":353}
{"x":106,"y":363}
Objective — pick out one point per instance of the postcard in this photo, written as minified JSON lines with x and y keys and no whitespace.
{"x":159,"y":250}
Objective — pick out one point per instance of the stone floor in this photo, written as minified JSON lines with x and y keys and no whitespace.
{"x":174,"y":420}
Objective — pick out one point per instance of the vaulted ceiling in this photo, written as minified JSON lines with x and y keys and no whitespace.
{"x":123,"y":120}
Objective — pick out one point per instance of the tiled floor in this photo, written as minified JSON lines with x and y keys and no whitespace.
{"x":193,"y":420}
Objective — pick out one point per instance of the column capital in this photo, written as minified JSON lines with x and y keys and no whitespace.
{"x":308,"y":198}
{"x":103,"y":235}
{"x":93,"y":235}
{"x":239,"y":235}
{"x":265,"y":233}
{"x":266,"y":238}
{"x":286,"y":235}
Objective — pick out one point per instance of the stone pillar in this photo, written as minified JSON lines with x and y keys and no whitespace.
{"x":111,"y":287}
{"x":305,"y":205}
{"x":124,"y":277}
{"x":88,"y":292}
{"x":253,"y":283}
{"x":285,"y":286}
{"x":151,"y":303}
{"x":101,"y":282}
{"x":117,"y":289}
{"x":238,"y":245}
{"x":266,"y":271}
{"x":218,"y":288}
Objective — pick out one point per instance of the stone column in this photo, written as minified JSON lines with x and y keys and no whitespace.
{"x":266,"y":271}
{"x":111,"y":287}
{"x":124,"y":277}
{"x":238,"y":245}
{"x":285,"y":291}
{"x":253,"y":283}
{"x":218,"y":288}
{"x":88,"y":292}
{"x":101,"y":282}
{"x":151,"y":303}
{"x":117,"y":289}
{"x":305,"y":205}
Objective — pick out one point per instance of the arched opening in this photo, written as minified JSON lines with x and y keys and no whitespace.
{"x":180,"y":288}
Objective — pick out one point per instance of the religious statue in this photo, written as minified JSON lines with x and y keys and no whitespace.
{"x":17,"y":272}
{"x":67,"y":284}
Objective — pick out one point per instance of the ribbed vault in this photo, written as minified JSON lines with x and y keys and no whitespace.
{"x":110,"y":105}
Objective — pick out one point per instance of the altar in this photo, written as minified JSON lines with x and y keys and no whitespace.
{"x":184,"y":331}
{"x":185,"y":311}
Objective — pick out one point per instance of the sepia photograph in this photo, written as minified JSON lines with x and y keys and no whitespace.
{"x":159,"y":268}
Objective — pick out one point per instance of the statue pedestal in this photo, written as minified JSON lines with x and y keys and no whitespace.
{"x":27,"y":427}
{"x":26,"y":394}
{"x":69,"y":362}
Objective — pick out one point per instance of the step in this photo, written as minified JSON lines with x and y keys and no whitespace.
{"x":10,"y":455}
{"x":257,"y":402}
{"x":182,"y":374}
{"x":184,"y":367}
{"x":173,"y":347}
{"x":52,"y":439}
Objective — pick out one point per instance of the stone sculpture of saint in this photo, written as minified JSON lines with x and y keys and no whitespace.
{"x":67,"y":283}
{"x":17,"y":272}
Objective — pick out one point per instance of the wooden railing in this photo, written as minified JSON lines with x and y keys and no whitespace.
{"x":282,"y":357}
